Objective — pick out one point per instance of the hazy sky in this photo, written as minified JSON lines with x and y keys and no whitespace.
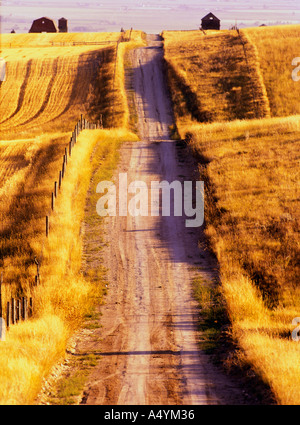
{"x":148,"y":15}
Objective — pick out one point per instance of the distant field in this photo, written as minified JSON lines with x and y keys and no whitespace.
{"x":38,"y":40}
{"x":251,"y":172}
{"x":46,"y":93}
{"x":49,"y":87}
{"x":277,"y":47}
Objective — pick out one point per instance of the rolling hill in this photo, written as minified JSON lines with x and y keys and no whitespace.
{"x":251,"y":171}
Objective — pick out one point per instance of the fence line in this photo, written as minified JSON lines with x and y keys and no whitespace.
{"x":81,"y":125}
{"x":249,"y":72}
{"x":122,"y":38}
{"x":81,"y":43}
{"x":21,"y":309}
{"x":18,"y":310}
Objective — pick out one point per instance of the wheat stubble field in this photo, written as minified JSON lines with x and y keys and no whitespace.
{"x":251,"y":170}
{"x":50,"y":83}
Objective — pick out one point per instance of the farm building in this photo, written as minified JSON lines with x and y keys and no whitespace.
{"x":43,"y":25}
{"x":63,"y":25}
{"x":210,"y":22}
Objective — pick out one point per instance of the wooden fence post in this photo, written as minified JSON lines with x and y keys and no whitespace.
{"x":13,"y":311}
{"x":37,"y":277}
{"x":70,"y":148}
{"x":8,"y":315}
{"x":59,"y":180}
{"x":63,"y":168}
{"x":18,"y":312}
{"x":55,"y":189}
{"x":66,"y":155}
{"x":24,"y":308}
{"x":52,"y":201}
{"x":47,"y":225}
{"x":30,"y":309}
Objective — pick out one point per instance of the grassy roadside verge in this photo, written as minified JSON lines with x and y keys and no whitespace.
{"x":252,"y":219}
{"x":65,"y":296}
{"x":119,"y":108}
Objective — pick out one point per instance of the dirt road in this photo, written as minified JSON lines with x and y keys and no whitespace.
{"x":148,"y":347}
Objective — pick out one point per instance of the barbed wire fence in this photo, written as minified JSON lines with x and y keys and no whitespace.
{"x":20,"y":309}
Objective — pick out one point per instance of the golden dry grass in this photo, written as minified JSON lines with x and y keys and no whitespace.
{"x":62,"y":82}
{"x":277,"y":47}
{"x":69,"y":80}
{"x":28,"y":171}
{"x":253,"y":168}
{"x":64,"y":295}
{"x":251,"y":174}
{"x":210,"y":78}
{"x":46,"y":40}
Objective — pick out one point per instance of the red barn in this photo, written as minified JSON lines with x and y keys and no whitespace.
{"x":43,"y":25}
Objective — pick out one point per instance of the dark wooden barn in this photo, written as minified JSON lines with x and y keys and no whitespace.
{"x":210,"y":22}
{"x":43,"y":25}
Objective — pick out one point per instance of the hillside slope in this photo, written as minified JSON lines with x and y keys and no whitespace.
{"x":276,"y":48}
{"x":250,"y":168}
{"x":214,"y":77}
